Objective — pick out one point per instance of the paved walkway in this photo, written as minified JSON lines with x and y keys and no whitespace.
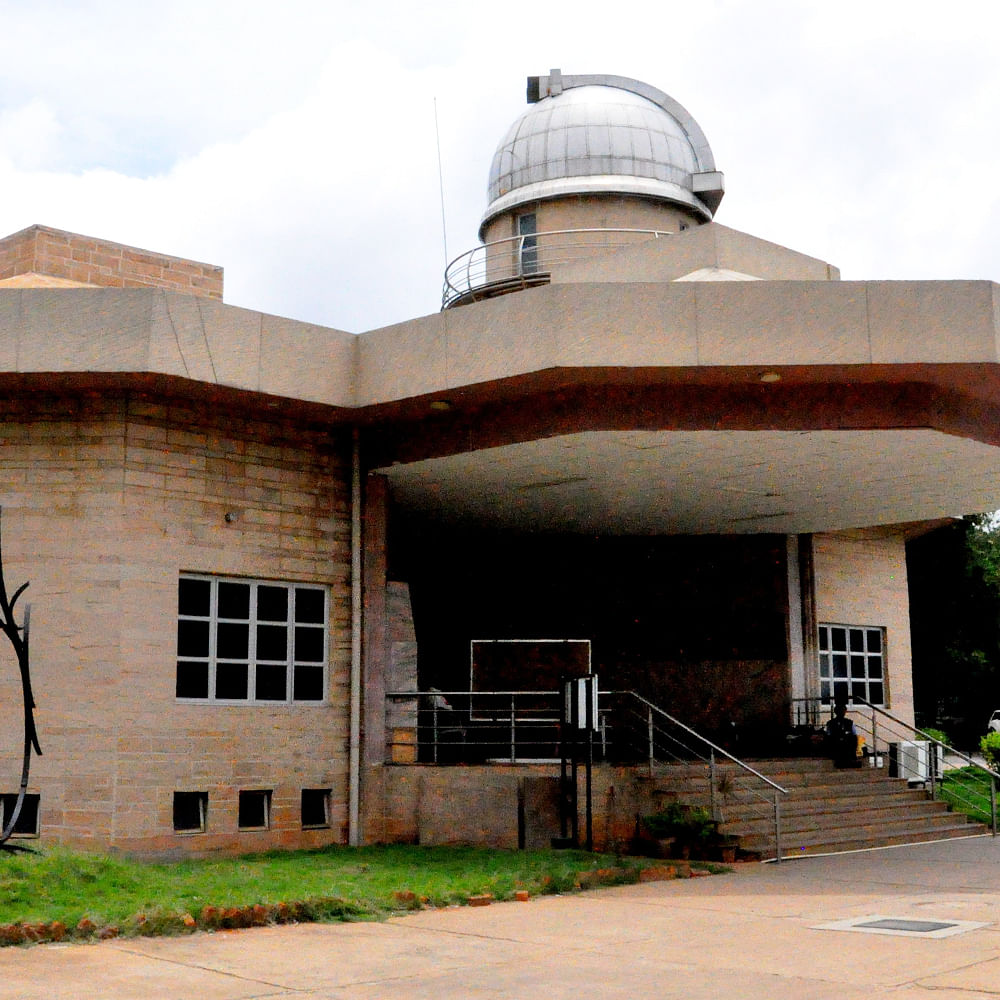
{"x":752,"y":934}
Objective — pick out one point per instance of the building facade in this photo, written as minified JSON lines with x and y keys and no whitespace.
{"x":247,"y":537}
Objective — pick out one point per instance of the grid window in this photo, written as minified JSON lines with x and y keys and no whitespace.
{"x":254,"y":810}
{"x":315,"y":807}
{"x":190,"y":809}
{"x":251,"y":641}
{"x":27,"y":820}
{"x":852,"y":664}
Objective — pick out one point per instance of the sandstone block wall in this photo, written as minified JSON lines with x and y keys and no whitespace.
{"x":861,"y":580}
{"x":38,"y":253}
{"x":106,"y":500}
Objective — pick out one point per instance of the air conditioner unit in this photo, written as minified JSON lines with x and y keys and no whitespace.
{"x":910,"y":759}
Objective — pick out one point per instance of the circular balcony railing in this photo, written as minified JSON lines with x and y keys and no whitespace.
{"x":523,"y":261}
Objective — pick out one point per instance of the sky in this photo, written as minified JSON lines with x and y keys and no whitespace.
{"x":297,"y":144}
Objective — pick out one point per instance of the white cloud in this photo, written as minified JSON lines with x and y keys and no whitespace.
{"x":295,"y":145}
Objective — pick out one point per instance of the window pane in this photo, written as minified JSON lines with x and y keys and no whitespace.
{"x":192,"y":638}
{"x":231,"y":681}
{"x":859,"y":691}
{"x":857,"y":666}
{"x":253,"y":810}
{"x":27,"y":820}
{"x":234,"y":600}
{"x":272,"y":683}
{"x":232,"y":641}
{"x":315,"y":809}
{"x":310,"y":604}
{"x":189,"y":811}
{"x":838,"y":639}
{"x":272,"y":604}
{"x":192,"y":680}
{"x":857,"y":637}
{"x":309,"y":645}
{"x":824,"y":664}
{"x":272,"y":642}
{"x":219,"y":657}
{"x":824,"y":691}
{"x":840,"y":691}
{"x":876,"y":693}
{"x":824,"y":638}
{"x":875,"y":667}
{"x":308,"y":684}
{"x":874,"y":640}
{"x":194,"y":597}
{"x":839,"y":665}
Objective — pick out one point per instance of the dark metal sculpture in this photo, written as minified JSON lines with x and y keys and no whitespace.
{"x":18,"y":636}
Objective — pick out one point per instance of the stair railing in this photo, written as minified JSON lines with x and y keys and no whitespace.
{"x":652,"y":719}
{"x":960,"y":790}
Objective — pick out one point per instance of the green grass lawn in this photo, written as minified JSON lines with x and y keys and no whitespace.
{"x":337,"y":883}
{"x":967,"y":790}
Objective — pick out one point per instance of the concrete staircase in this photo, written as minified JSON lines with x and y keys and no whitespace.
{"x":826,"y":810}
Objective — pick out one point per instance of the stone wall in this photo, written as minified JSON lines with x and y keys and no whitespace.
{"x":40,"y":256}
{"x":106,"y":500}
{"x":861,"y":580}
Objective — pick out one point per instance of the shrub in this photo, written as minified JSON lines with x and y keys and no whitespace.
{"x":938,"y":735}
{"x":990,"y":747}
{"x":690,"y":823}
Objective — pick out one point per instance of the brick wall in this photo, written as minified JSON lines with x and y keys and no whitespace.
{"x":105,"y":501}
{"x":861,"y":580}
{"x":39,"y":255}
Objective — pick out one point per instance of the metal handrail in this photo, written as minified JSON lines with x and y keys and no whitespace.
{"x":507,"y":712}
{"x":714,"y":746}
{"x":713,"y":749}
{"x":906,"y":726}
{"x":529,"y":257}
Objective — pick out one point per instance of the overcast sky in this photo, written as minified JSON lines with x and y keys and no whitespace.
{"x":294,"y":143}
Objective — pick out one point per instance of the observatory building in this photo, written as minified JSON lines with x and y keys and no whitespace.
{"x":284,"y":576}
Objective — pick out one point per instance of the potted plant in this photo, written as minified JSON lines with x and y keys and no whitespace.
{"x":682,"y":829}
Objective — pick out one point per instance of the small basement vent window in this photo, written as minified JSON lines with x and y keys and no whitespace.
{"x":255,"y":810}
{"x":315,"y":808}
{"x":27,"y":821}
{"x":190,"y":809}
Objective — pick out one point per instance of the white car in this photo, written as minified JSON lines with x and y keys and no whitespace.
{"x":993,"y":725}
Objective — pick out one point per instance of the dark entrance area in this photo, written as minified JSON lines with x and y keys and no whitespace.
{"x":697,"y":624}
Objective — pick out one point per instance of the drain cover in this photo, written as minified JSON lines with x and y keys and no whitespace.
{"x":902,"y":926}
{"x":913,"y":926}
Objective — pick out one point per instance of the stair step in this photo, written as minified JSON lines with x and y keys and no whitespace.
{"x":790,"y":846}
{"x":831,"y":818}
{"x":825,"y":809}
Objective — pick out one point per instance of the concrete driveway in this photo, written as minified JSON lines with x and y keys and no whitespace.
{"x":756,"y":933}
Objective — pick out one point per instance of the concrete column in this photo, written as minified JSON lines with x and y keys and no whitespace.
{"x":375,"y":649}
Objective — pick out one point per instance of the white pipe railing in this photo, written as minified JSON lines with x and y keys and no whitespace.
{"x":530,"y":259}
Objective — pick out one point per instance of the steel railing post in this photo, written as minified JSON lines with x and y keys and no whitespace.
{"x":649,"y":735}
{"x":874,"y":735}
{"x":993,"y":805}
{"x":777,"y":827}
{"x":712,"y":784}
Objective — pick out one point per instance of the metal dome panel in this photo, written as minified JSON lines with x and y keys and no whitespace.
{"x":630,"y":136}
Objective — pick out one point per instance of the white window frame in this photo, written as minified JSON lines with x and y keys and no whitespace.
{"x":212,"y":660}
{"x":864,"y":656}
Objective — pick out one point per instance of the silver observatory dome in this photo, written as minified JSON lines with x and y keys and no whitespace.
{"x":599,"y":134}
